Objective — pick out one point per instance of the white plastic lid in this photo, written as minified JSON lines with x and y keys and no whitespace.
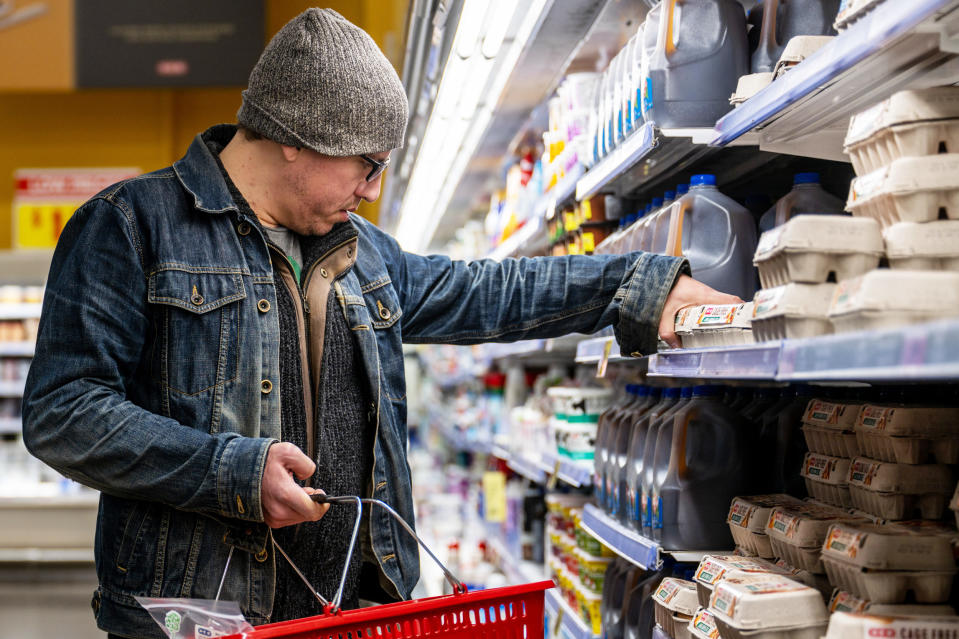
{"x":794,"y":300}
{"x":847,"y":625}
{"x":885,"y":289}
{"x":888,"y":547}
{"x":677,"y":595}
{"x":822,"y":234}
{"x":931,"y":239}
{"x":827,"y":469}
{"x":766,"y":601}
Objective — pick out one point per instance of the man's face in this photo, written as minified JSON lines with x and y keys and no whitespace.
{"x":317,"y":191}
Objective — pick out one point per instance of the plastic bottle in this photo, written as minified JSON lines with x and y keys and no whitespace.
{"x":783,"y":20}
{"x":700,"y":53}
{"x":699,"y":469}
{"x":650,"y":37}
{"x":640,"y":616}
{"x":807,"y":197}
{"x":783,"y":443}
{"x":634,"y":457}
{"x":649,"y":452}
{"x":716,"y":235}
{"x":630,"y":71}
{"x":618,"y":458}
{"x":621,"y":577}
{"x":603,"y":429}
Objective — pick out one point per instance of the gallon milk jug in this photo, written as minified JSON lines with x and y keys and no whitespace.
{"x":783,"y":445}
{"x":716,"y":235}
{"x":700,"y":53}
{"x":649,"y":452}
{"x":699,"y":469}
{"x":623,"y":420}
{"x":783,"y":20}
{"x":616,"y":467}
{"x":634,"y":457}
{"x":640,"y":608}
{"x":807,"y":197}
{"x":611,"y":414}
{"x":616,"y":586}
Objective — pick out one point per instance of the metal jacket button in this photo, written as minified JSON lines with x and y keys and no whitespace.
{"x":266,"y":386}
{"x":384,"y":312}
{"x":196,"y":298}
{"x":262,"y":556}
{"x":323,"y":272}
{"x":263,"y":305}
{"x":244,"y":228}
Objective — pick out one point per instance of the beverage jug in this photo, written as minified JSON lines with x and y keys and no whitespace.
{"x":649,"y":452}
{"x":783,"y":20}
{"x":634,"y":458}
{"x":807,"y":197}
{"x":616,"y":467}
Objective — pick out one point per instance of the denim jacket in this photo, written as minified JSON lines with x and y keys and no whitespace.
{"x":156,"y":373}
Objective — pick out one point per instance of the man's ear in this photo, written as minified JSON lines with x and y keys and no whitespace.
{"x":290,"y":153}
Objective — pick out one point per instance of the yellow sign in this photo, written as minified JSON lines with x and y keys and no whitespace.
{"x":39,"y":225}
{"x":494,"y":496}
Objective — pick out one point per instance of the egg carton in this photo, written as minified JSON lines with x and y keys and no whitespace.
{"x":842,"y":601}
{"x":852,"y":10}
{"x":703,"y":625}
{"x":713,"y":568}
{"x":846,"y":625}
{"x":886,"y":298}
{"x":954,"y":505}
{"x":808,"y":248}
{"x":899,"y":491}
{"x":826,"y":479}
{"x":767,"y":605}
{"x":933,"y":246}
{"x":889,"y":547}
{"x":792,"y":311}
{"x":889,"y":587}
{"x":749,"y":85}
{"x":797,"y":534}
{"x":911,"y":189}
{"x":676,"y":603}
{"x":837,"y":443}
{"x":748,"y":517}
{"x":908,"y":124}
{"x":909,"y":434}
{"x":908,"y":450}
{"x":837,"y":416}
{"x":716,"y":325}
{"x":798,"y":49}
{"x":676,"y":625}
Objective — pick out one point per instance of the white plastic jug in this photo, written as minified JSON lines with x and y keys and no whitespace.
{"x":807,"y":197}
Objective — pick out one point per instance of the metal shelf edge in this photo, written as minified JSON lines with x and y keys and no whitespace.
{"x":635,"y":548}
{"x":635,"y":146}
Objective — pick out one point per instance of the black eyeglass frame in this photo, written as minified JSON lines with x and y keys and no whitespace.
{"x":378,"y":167}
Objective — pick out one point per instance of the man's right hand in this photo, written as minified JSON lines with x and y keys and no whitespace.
{"x":285,"y":502}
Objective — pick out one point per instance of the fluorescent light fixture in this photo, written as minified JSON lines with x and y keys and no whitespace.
{"x":473,"y":80}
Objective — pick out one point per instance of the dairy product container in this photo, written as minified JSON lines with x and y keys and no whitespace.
{"x":899,"y":491}
{"x":933,"y":246}
{"x":827,"y":479}
{"x":713,"y":568}
{"x":700,"y":52}
{"x":807,"y":197}
{"x":846,"y":625}
{"x":781,"y":22}
{"x":808,"y":248}
{"x":908,"y":435}
{"x":797,"y":50}
{"x":577,"y":412}
{"x":910,"y":189}
{"x":886,"y":298}
{"x":770,"y":605}
{"x":616,"y":466}
{"x":676,"y":603}
{"x":842,"y":601}
{"x":641,"y":610}
{"x":797,"y":533}
{"x":750,"y":85}
{"x":748,"y":518}
{"x":703,"y":625}
{"x":685,"y":321}
{"x":644,"y":428}
{"x":910,"y":123}
{"x":719,"y":325}
{"x":792,"y":311}
{"x":828,"y":428}
{"x":664,"y":423}
{"x":699,"y":468}
{"x":716,"y":235}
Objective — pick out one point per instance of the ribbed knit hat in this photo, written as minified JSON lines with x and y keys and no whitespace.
{"x":322,"y":83}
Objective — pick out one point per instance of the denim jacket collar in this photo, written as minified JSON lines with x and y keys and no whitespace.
{"x":195,"y":168}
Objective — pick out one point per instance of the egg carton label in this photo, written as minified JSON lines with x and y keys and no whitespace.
{"x":668,"y":591}
{"x":717,"y":315}
{"x":740,"y":513}
{"x":862,"y":472}
{"x":817,"y":467}
{"x":877,"y":628}
{"x":783,"y":523}
{"x":823,"y":412}
{"x":845,"y":542}
{"x":767,"y":300}
{"x":704,"y":623}
{"x":876,"y":418}
{"x":842,"y":601}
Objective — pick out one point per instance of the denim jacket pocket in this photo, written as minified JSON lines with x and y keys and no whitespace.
{"x":197,"y":320}
{"x":383,"y":305}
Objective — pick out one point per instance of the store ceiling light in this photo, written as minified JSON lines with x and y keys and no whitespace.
{"x":475,"y":74}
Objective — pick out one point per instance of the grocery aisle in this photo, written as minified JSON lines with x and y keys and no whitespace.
{"x":791,"y":469}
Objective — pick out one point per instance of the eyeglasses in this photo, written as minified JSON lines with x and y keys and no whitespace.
{"x":378,"y":167}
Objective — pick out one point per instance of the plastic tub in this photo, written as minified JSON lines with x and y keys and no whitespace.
{"x":911,"y":189}
{"x":792,"y":311}
{"x":721,"y":325}
{"x":908,"y":435}
{"x":748,"y":518}
{"x":842,"y":601}
{"x":827,"y":479}
{"x":714,"y":568}
{"x":676,"y":603}
{"x":703,"y":625}
{"x":898,"y":491}
{"x":933,"y":246}
{"x":846,"y":625}
{"x":907,"y":124}
{"x":808,"y":248}
{"x":797,"y":533}
{"x":768,"y":606}
{"x":886,"y":298}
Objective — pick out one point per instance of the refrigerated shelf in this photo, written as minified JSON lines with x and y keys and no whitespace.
{"x":571,"y":625}
{"x":17,"y":349}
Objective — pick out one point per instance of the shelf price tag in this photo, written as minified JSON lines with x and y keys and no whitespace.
{"x":559,"y":621}
{"x":553,"y":478}
{"x":604,"y":358}
{"x":494,"y":496}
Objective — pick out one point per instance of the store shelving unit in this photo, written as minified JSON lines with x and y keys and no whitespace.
{"x":517,"y":570}
{"x":12,"y":389}
{"x":10,"y":311}
{"x":16,"y":349}
{"x":563,"y":619}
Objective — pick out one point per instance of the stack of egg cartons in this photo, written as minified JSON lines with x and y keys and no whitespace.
{"x":797,"y":262}
{"x":905,"y":152}
{"x":828,"y":429}
{"x":676,"y":604}
{"x":748,"y":519}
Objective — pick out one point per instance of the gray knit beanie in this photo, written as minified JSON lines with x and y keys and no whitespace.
{"x":322,"y":83}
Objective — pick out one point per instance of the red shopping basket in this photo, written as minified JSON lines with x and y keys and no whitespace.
{"x":510,"y":612}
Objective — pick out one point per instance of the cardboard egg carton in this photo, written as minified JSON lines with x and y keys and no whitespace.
{"x":828,"y":428}
{"x":846,"y":625}
{"x":886,"y":298}
{"x":954,"y":505}
{"x":911,"y":189}
{"x":792,"y":311}
{"x":798,"y":49}
{"x":827,"y":479}
{"x":714,"y":568}
{"x":900,"y":491}
{"x":889,"y":547}
{"x":748,"y":517}
{"x":808,"y":248}
{"x":797,"y":533}
{"x":907,"y":124}
{"x":933,"y":246}
{"x":676,"y":603}
{"x":715,"y":325}
{"x":908,"y":435}
{"x":889,"y":587}
{"x":703,"y":625}
{"x":842,"y":601}
{"x":749,"y":85}
{"x":773,"y":605}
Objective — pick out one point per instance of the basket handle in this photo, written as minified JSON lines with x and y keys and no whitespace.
{"x":334,"y":606}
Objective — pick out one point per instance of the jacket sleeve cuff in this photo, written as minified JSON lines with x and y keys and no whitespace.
{"x":240,"y":477}
{"x":653,"y":277}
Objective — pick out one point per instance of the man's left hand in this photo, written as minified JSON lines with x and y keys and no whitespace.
{"x":688,"y":292}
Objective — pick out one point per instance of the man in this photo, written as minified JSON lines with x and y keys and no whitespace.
{"x":215,"y":331}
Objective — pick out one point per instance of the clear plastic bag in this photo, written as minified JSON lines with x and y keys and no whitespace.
{"x":196,"y":618}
